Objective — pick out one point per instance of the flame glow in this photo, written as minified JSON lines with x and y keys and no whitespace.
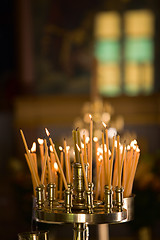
{"x":56,"y":166}
{"x":128,"y":147}
{"x":95,"y":139}
{"x":60,"y":148}
{"x":67,"y":148}
{"x":133,"y":143}
{"x":104,"y":125}
{"x":51,"y":148}
{"x":90,"y":116}
{"x":40,"y":141}
{"x":87,"y":139}
{"x":33,"y":149}
{"x":47,"y":132}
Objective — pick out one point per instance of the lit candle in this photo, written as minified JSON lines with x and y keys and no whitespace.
{"x":95,"y":139}
{"x":85,"y":151}
{"x":104,"y":159}
{"x":58,"y":161}
{"x":91,"y":136}
{"x":67,"y":163}
{"x":61,"y":183}
{"x":34,"y":158}
{"x":41,"y":148}
{"x":75,"y":142}
{"x":29,"y":157}
{"x":98,"y":176}
{"x":45,"y":161}
{"x":56,"y":177}
{"x":111,"y":162}
{"x":118,"y":159}
{"x":83,"y":168}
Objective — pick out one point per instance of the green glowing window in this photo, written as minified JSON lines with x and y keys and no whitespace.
{"x":107,"y":51}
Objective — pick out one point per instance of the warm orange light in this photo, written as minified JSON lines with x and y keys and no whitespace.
{"x":67,"y":148}
{"x":40,"y":141}
{"x":105,"y":125}
{"x":55,"y":166}
{"x":133,"y":143}
{"x":90,"y":116}
{"x":100,"y":158}
{"x":51,"y":148}
{"x":82,"y":145}
{"x":99,"y":150}
{"x":60,"y":148}
{"x":137,"y":149}
{"x":33,"y":149}
{"x":87,"y":139}
{"x":47,"y":132}
{"x":128,"y":147}
{"x":95,"y":139}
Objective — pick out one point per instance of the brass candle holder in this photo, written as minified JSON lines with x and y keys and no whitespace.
{"x":80,"y":208}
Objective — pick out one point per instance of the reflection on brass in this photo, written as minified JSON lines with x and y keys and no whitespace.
{"x":119,"y":198}
{"x":108,"y":199}
{"x":35,"y":235}
{"x":79,"y":206}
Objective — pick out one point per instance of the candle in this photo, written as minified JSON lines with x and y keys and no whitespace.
{"x":83,"y":169}
{"x":56,"y":177}
{"x":45,"y":161}
{"x":85,"y":151}
{"x":58,"y":162}
{"x":111,"y":162}
{"x":104,"y":159}
{"x":67,"y":163}
{"x":32,"y":175}
{"x":34,"y":158}
{"x":75,"y":142}
{"x":129,"y":184}
{"x":98,"y":176}
{"x":61,"y":183}
{"x":41,"y":148}
{"x":118,"y":159}
{"x":49,"y":170}
{"x":52,"y":157}
{"x":29,"y":157}
{"x":91,"y":136}
{"x":121,"y":164}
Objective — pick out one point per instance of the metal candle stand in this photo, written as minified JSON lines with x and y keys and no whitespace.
{"x":79,"y":206}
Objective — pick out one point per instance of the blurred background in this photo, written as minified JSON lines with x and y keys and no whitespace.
{"x":60,"y":60}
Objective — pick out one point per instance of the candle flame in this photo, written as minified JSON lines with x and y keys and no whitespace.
{"x":121,"y":148}
{"x":128,"y":147}
{"x":67,"y":148}
{"x":82,"y":145}
{"x":33,"y":149}
{"x":95,"y":139}
{"x":87,"y":139}
{"x":51,"y":148}
{"x":100,"y":150}
{"x":104,"y":125}
{"x":55,"y":166}
{"x":137,"y":149}
{"x":133,"y":143}
{"x":90,"y":116}
{"x":60,"y":148}
{"x":47,"y":132}
{"x":40,"y":141}
{"x":100,"y":158}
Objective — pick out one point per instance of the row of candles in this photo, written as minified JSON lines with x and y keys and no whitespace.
{"x":115,"y":166}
